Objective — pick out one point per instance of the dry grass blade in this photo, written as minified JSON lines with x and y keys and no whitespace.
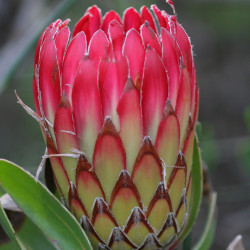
{"x":30,"y":111}
{"x":236,"y":244}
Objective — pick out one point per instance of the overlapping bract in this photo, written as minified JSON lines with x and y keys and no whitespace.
{"x":119,"y":102}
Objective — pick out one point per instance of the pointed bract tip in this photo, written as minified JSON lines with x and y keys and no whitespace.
{"x":83,"y":165}
{"x":147,"y":142}
{"x":84,"y":221}
{"x":124,"y":175}
{"x":108,"y":128}
{"x":108,"y":120}
{"x":150,"y":242}
{"x":57,"y":22}
{"x":179,"y":166}
{"x":129,"y":85}
{"x":72,"y":191}
{"x":168,"y":109}
{"x":86,"y":57}
{"x":160,"y":193}
{"x":161,"y":189}
{"x":99,"y":202}
{"x":125,"y":181}
{"x":170,"y":221}
{"x":64,"y":101}
{"x":117,"y":235}
{"x":137,"y":216}
{"x":64,"y":23}
{"x":148,"y":47}
{"x":190,"y":123}
{"x":182,"y":64}
{"x":101,"y":207}
{"x":148,"y":148}
{"x":180,"y":162}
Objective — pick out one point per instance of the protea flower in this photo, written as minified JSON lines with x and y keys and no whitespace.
{"x":118,"y":103}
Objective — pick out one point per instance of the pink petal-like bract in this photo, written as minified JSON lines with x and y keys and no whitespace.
{"x":118,"y":102}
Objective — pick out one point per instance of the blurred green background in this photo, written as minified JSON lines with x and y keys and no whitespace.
{"x":220,"y":35}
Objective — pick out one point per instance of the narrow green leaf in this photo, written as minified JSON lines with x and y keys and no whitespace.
{"x":8,"y":246}
{"x":206,"y":239}
{"x":197,"y":187}
{"x":2,"y":192}
{"x":42,"y":207}
{"x":8,"y":229}
{"x":32,"y":237}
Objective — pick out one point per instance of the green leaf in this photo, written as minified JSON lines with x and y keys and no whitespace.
{"x":207,"y":236}
{"x":42,"y":207}
{"x":2,"y":192}
{"x":8,"y":229}
{"x":32,"y":237}
{"x":197,"y":187}
{"x":8,"y":246}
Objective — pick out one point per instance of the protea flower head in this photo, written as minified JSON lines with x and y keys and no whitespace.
{"x":119,"y":104}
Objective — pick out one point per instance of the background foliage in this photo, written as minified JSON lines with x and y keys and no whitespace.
{"x":220,"y":36}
